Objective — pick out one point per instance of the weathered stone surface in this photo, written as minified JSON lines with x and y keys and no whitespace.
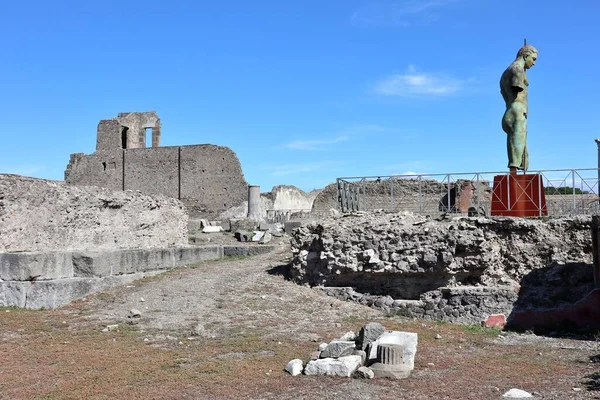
{"x":390,"y":362}
{"x":343,"y":366}
{"x":57,"y":292}
{"x":368,"y":334}
{"x":289,"y":226}
{"x":208,"y":179}
{"x":258,"y":235}
{"x":41,"y":215}
{"x":266,"y":238}
{"x":294,"y":367}
{"x":407,"y":340}
{"x":351,"y":336}
{"x":338,"y":348}
{"x":243,"y":224}
{"x":495,"y":321}
{"x":35,"y":266}
{"x":517,"y":394}
{"x":212,"y":229}
{"x":364,"y":373}
{"x":90,"y":272}
{"x":458,"y":269}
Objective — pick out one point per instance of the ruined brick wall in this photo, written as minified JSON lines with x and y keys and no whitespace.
{"x":212,"y":180}
{"x":153,"y":170}
{"x":208,"y":179}
{"x":458,"y":269}
{"x":102,"y":168}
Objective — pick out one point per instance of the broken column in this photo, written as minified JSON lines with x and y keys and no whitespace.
{"x":254,"y":202}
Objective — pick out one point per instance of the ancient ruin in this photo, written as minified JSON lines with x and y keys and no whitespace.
{"x":208,"y":179}
{"x":455,"y":269}
{"x":60,"y":242}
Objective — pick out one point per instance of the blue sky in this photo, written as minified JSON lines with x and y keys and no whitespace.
{"x":303,"y":92}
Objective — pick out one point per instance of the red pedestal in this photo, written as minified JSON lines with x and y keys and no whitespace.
{"x":517,"y":195}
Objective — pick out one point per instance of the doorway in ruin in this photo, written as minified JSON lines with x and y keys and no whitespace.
{"x":148,"y":137}
{"x":124,"y":137}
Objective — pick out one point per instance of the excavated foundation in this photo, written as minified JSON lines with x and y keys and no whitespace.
{"x":456,"y":269}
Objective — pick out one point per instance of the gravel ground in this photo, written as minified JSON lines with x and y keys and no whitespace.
{"x":216,"y":301}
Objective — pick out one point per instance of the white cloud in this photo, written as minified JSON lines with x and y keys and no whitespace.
{"x":416,"y":83}
{"x":300,"y":168}
{"x":337,"y":137}
{"x":315,"y":145}
{"x":400,"y":13}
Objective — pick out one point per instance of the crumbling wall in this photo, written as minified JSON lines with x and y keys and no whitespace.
{"x":128,"y":131}
{"x":455,"y":269}
{"x":152,"y":170}
{"x":42,"y":215}
{"x":102,"y":168}
{"x":208,"y":179}
{"x":211,"y":180}
{"x":287,"y":197}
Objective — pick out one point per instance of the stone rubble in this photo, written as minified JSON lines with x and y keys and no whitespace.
{"x":517,"y":394}
{"x":456,"y":269}
{"x":344,"y":358}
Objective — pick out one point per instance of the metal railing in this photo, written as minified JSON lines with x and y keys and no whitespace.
{"x":567,"y":192}
{"x":283,"y":215}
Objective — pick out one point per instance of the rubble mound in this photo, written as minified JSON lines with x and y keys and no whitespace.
{"x":458,"y":269}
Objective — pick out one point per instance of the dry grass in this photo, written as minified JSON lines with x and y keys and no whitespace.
{"x":52,"y":354}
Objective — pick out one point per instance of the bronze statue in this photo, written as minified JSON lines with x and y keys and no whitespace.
{"x":513,"y":86}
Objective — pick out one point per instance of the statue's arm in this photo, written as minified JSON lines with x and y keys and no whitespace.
{"x":518,"y":81}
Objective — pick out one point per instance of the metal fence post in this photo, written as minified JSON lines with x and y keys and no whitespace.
{"x":573,"y":189}
{"x":420,"y":178}
{"x":392,"y":205}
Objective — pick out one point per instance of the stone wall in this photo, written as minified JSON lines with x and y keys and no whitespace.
{"x":61,"y":242}
{"x":208,"y":179}
{"x":456,"y":269}
{"x":42,"y":215}
{"x":152,"y":170}
{"x":287,"y":197}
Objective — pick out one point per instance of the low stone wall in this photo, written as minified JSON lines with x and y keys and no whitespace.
{"x":42,"y":215}
{"x":52,"y":279}
{"x":459,"y":269}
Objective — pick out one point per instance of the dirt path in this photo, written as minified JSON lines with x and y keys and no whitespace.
{"x":220,"y":299}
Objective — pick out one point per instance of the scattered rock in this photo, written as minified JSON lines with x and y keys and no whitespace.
{"x":364,"y":373}
{"x":110,"y":328}
{"x":368,"y":334}
{"x":212,"y":229}
{"x":266,"y":238}
{"x":438,"y":336}
{"x":343,"y":366}
{"x":294,"y":367}
{"x":407,"y":340}
{"x":258,"y":235}
{"x":338,"y":348}
{"x":134,"y":313}
{"x":517,"y":394}
{"x":349,"y":336}
{"x":198,"y":330}
{"x":390,"y":362}
{"x":495,"y":321}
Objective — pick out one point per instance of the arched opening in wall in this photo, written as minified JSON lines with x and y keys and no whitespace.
{"x":148,"y":137}
{"x":124,"y":137}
